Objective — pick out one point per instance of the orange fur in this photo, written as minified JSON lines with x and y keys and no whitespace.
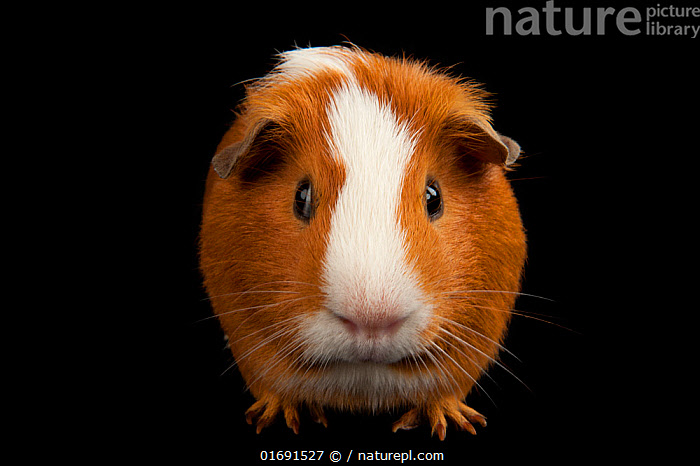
{"x":262,"y":266}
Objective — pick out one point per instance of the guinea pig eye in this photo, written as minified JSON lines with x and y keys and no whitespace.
{"x":303,"y":202}
{"x":433,"y":200}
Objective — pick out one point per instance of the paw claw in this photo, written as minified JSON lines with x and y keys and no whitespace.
{"x":472,"y":415}
{"x":437,"y":415}
{"x":255,"y":411}
{"x":294,"y":425}
{"x":318,"y":415}
{"x":441,"y":430}
{"x":409,"y":420}
{"x":291,"y":415}
{"x":263,"y":412}
{"x":466,"y":425}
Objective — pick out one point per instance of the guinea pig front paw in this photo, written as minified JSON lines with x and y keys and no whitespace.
{"x":437,"y":414}
{"x":264,"y":411}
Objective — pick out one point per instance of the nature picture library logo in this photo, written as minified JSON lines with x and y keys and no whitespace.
{"x":652,"y":20}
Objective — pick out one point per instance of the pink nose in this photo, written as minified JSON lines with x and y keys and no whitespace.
{"x":372,"y":328}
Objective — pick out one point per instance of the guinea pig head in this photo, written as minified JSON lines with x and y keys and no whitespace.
{"x":360,"y":242}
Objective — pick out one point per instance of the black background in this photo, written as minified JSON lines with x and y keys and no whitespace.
{"x":607,"y":124}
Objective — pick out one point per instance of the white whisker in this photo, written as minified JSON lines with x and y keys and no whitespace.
{"x":469,"y":357}
{"x":255,"y":289}
{"x":259,"y":307}
{"x":274,"y":324}
{"x":499,"y":291}
{"x":241,"y":293}
{"x":479,"y":334}
{"x":484,"y":354}
{"x":522,"y":314}
{"x":442,"y":369}
{"x":463,"y":370}
{"x":280,"y":356}
{"x":274,"y":337}
{"x":516,"y":312}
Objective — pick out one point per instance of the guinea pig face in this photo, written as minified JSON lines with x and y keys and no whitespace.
{"x":360,"y":242}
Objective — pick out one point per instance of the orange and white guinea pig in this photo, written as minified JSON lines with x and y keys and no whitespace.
{"x":360,"y":243}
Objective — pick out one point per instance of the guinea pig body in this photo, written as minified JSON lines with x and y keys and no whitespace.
{"x":360,"y":243}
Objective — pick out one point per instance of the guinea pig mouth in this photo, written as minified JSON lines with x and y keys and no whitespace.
{"x":377,"y":358}
{"x":372,"y":358}
{"x":362,"y":353}
{"x":375,"y":354}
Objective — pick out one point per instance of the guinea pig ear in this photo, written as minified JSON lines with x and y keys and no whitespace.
{"x":225,"y":159}
{"x":487,"y":144}
{"x":513,"y":149}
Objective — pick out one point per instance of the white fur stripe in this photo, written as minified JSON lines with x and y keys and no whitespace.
{"x":365,"y":256}
{"x":306,"y":62}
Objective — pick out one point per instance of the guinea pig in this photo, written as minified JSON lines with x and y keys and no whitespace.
{"x":360,"y":243}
